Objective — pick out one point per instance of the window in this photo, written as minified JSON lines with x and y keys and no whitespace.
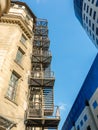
{"x":97,"y":31}
{"x":11,"y":93}
{"x":78,"y":128}
{"x":27,"y":17}
{"x":95,"y":104}
{"x":81,"y":123}
{"x":84,"y":25}
{"x":86,"y":19}
{"x":94,"y":15}
{"x":87,"y":8}
{"x":84,"y":6}
{"x":88,"y":127}
{"x":97,"y":3}
{"x":93,"y":27}
{"x":97,"y":20}
{"x":19,"y":56}
{"x":90,"y":23}
{"x":97,"y":41}
{"x":92,"y":1}
{"x":90,"y":32}
{"x":85,"y":117}
{"x":87,"y":29}
{"x":23,"y":39}
{"x":90,"y":12}
{"x":84,"y":16}
{"x":93,"y":37}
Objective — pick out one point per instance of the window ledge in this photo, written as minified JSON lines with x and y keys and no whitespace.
{"x":19,"y":64}
{"x":11,"y":100}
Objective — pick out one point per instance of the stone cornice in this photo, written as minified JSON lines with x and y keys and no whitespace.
{"x":15,"y":19}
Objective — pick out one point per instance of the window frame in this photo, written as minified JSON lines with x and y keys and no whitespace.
{"x":23,"y":39}
{"x":19,"y":56}
{"x":12,"y":86}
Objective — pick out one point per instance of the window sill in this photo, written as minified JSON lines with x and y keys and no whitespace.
{"x":11,"y":100}
{"x":19,"y":64}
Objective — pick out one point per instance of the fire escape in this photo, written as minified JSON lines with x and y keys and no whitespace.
{"x":41,"y":113}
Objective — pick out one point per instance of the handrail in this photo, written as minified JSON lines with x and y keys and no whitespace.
{"x":42,"y":74}
{"x":55,"y":112}
{"x":41,"y":22}
{"x":43,"y":53}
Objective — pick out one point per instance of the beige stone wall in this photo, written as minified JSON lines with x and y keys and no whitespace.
{"x":9,"y":44}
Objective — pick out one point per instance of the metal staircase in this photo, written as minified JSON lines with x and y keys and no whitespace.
{"x":40,"y":113}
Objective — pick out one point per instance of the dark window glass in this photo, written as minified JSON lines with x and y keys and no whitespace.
{"x":81,"y":123}
{"x":87,"y":29}
{"x":90,"y":12}
{"x":95,"y":104}
{"x":84,"y":16}
{"x":86,"y":19}
{"x":92,"y":1}
{"x":88,"y":127}
{"x":90,"y":32}
{"x":78,"y":128}
{"x":87,"y":9}
{"x":97,"y":3}
{"x":84,"y":6}
{"x":93,"y":27}
{"x":90,"y":23}
{"x":97,"y":41}
{"x":94,"y":15}
{"x":93,"y":37}
{"x":97,"y":31}
{"x":85,"y":117}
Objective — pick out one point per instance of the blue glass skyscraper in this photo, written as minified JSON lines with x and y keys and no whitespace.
{"x":87,"y":13}
{"x":84,"y":112}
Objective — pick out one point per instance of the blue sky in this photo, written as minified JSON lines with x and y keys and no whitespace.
{"x":72,"y":50}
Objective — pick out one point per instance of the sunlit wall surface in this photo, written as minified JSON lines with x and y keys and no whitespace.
{"x":86,"y":99}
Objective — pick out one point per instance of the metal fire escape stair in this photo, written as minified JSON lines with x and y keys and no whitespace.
{"x":40,"y":112}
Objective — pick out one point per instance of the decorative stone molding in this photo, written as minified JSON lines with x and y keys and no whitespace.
{"x":12,"y":19}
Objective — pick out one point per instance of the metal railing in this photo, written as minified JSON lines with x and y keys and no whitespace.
{"x":41,"y":42}
{"x":31,"y":113}
{"x":42,"y":53}
{"x":42,"y":74}
{"x":40,"y":31}
{"x":41,"y":22}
